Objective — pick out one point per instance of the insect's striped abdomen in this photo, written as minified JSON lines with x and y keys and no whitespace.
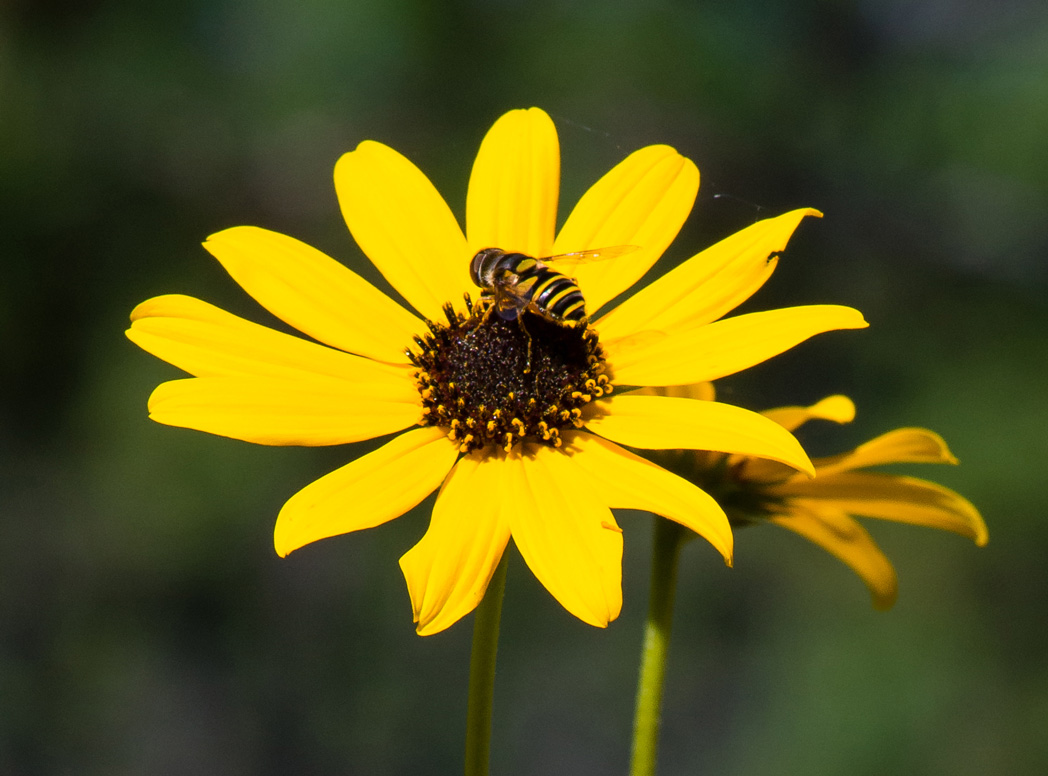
{"x":552,"y":293}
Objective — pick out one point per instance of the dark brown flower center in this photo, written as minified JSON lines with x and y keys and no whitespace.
{"x":492,"y":381}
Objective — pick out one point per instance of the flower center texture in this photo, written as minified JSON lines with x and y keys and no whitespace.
{"x":490,"y":380}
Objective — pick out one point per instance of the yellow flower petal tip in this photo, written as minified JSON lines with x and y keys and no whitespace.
{"x":283,"y":541}
{"x":153,"y":306}
{"x":432,"y":626}
{"x":838,"y":408}
{"x":938,"y":449}
{"x":851,"y":318}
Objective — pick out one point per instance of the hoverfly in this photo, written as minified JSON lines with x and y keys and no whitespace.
{"x":515,"y":282}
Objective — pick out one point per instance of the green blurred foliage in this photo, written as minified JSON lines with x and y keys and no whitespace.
{"x":146,"y":626}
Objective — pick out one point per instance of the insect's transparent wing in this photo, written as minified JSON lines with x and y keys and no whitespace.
{"x":565,"y":263}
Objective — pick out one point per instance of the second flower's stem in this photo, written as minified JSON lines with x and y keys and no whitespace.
{"x":665,"y":551}
{"x":482,"y":673}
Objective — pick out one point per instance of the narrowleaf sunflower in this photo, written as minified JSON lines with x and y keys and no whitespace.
{"x":510,"y":415}
{"x":823,"y":509}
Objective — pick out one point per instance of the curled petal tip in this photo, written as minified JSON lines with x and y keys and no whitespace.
{"x":804,"y":465}
{"x":853,"y":319}
{"x":427,"y":628}
{"x":982,"y":535}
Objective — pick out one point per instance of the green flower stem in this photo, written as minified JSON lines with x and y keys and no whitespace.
{"x":669,"y":537}
{"x":482,"y":673}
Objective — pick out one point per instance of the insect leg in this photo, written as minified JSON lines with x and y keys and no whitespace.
{"x":527,"y":334}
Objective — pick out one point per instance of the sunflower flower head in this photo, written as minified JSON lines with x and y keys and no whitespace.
{"x":823,"y":509}
{"x":496,"y":388}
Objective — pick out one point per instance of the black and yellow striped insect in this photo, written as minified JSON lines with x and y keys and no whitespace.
{"x":515,"y":282}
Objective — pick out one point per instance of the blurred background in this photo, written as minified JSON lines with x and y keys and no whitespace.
{"x":146,"y":625}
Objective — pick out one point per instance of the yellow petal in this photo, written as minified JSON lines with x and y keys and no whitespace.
{"x":271,"y":411}
{"x":723,"y":347}
{"x":314,"y":293}
{"x":566,"y":534}
{"x":891,"y":497}
{"x":209,"y":342}
{"x":404,"y":226}
{"x":627,"y":481}
{"x":513,"y":190}
{"x":903,"y":445}
{"x":849,"y":542}
{"x":449,"y":569}
{"x":665,"y":423}
{"x":839,"y":409}
{"x":642,"y":201}
{"x":371,"y":490}
{"x":708,"y":285}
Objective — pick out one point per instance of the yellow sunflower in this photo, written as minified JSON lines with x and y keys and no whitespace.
{"x":509,"y":415}
{"x":823,"y":509}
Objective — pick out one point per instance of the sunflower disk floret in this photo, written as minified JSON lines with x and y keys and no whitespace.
{"x":493,"y":381}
